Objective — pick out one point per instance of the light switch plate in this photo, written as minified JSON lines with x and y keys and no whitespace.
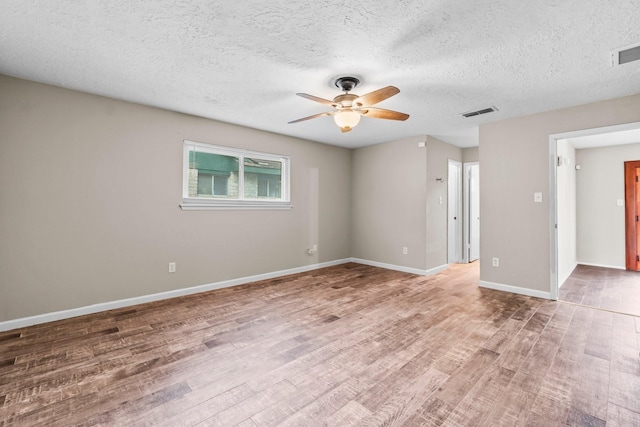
{"x":537,"y":197}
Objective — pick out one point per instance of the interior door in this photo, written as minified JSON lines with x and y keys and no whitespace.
{"x":454,"y":212}
{"x":474,"y":212}
{"x":632,"y":214}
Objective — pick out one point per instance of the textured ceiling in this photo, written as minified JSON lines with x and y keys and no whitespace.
{"x":243,"y":61}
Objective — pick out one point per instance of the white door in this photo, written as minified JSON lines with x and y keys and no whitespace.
{"x":473,"y":216}
{"x":454,"y":212}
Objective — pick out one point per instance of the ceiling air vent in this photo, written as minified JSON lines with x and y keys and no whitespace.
{"x":625,"y":55}
{"x":478,"y":112}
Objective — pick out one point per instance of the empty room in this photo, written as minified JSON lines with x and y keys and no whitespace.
{"x":410,"y":213}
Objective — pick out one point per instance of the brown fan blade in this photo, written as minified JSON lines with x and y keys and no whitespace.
{"x":381,"y":113}
{"x":316,"y":99}
{"x":328,"y":113}
{"x":376,"y":96}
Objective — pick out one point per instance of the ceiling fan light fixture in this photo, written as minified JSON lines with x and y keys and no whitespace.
{"x":348,"y":107}
{"x":346,"y":120}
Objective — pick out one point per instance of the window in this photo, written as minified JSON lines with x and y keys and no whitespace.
{"x":217,"y":177}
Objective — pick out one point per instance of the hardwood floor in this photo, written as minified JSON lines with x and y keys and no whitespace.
{"x":605,"y":288}
{"x":345,"y":345}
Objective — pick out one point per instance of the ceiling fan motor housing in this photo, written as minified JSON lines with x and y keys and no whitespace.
{"x":347,"y":84}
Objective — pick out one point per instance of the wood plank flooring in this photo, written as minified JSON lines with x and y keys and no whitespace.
{"x":349,"y":345}
{"x":606,"y":288}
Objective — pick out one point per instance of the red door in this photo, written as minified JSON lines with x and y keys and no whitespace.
{"x":632,"y":214}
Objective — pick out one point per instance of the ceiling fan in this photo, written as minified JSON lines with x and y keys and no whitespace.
{"x":348,"y":107}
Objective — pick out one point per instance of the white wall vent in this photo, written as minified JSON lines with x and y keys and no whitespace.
{"x":478,"y":112}
{"x":626,"y":54}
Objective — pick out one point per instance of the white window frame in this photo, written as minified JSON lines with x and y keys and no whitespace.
{"x":199,"y":203}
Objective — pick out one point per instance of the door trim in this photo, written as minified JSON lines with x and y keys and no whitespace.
{"x":466,"y":205}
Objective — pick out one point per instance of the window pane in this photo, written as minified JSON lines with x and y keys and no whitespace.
{"x":262,"y":179}
{"x":205,"y":184}
{"x":220,"y":185}
{"x":268,"y":187}
{"x":213,"y":175}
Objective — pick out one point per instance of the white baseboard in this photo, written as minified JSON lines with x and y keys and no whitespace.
{"x":400,"y":267}
{"x":111,"y":305}
{"x":601,"y":265}
{"x":436,"y":270}
{"x":96,"y":308}
{"x":515,"y":289}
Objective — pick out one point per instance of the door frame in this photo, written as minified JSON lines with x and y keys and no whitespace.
{"x":553,"y":192}
{"x":467,"y":209}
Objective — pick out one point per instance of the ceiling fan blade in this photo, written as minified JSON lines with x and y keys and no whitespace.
{"x":376,"y":96}
{"x":316,"y":99}
{"x":328,"y":113}
{"x":381,"y":113}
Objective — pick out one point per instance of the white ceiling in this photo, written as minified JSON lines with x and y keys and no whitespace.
{"x":631,"y":136}
{"x":243,"y":61}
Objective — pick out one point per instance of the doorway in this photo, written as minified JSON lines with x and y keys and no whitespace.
{"x":472,"y":211}
{"x":587,"y":193}
{"x":454,"y":212}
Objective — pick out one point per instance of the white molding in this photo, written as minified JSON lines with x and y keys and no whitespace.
{"x":515,"y":289}
{"x":601,"y":265}
{"x":554,"y":286}
{"x":96,"y":308}
{"x":188,"y":205}
{"x":436,"y":270}
{"x":404,"y":269}
{"x":466,"y":207}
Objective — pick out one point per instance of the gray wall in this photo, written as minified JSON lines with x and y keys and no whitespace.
{"x":515,"y":164}
{"x":600,"y":183}
{"x":90,"y":188}
{"x":396,"y":202}
{"x":438,"y":155}
{"x":470,"y":154}
{"x":389,"y":199}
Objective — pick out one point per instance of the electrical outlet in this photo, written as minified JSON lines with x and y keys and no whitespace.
{"x":405,"y":250}
{"x":496,"y":262}
{"x":172,"y":267}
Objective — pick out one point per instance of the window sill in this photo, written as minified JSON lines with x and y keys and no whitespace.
{"x":192,"y":205}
